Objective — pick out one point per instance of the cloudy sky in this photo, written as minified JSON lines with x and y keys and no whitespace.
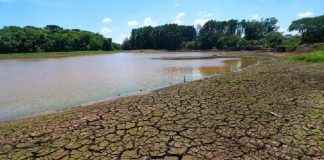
{"x":116,"y":18}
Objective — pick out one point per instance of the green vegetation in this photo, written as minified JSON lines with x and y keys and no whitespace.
{"x":214,"y":34}
{"x":52,"y":38}
{"x":52,"y":54}
{"x":318,"y":46}
{"x":273,"y":39}
{"x":292,"y":42}
{"x":316,"y":56}
{"x":320,"y":68}
{"x":168,"y":36}
{"x":231,"y":34}
{"x":311,"y":29}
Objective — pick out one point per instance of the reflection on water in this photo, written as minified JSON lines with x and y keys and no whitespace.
{"x":30,"y":87}
{"x":199,"y":72}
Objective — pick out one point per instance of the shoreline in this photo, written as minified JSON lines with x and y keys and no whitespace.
{"x":94,"y":104}
{"x":50,"y":55}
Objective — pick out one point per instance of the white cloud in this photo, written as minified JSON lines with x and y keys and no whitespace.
{"x":106,"y":20}
{"x":203,"y":18}
{"x":148,"y":21}
{"x":180,"y":15}
{"x":123,"y":36}
{"x":200,"y":21}
{"x":177,"y":19}
{"x":205,"y":14}
{"x":132,"y":23}
{"x":305,"y":14}
{"x":255,"y":17}
{"x":281,"y":30}
{"x":105,"y":30}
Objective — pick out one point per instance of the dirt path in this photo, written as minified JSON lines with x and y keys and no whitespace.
{"x":274,"y":110}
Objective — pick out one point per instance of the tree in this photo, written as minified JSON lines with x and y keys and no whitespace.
{"x":273,"y":39}
{"x":292,"y":42}
{"x":126,"y":45}
{"x":169,"y":36}
{"x":107,"y":44}
{"x":310,"y":29}
{"x":254,"y":30}
{"x":96,"y":43}
{"x":50,"y":38}
{"x":54,"y":28}
{"x":270,"y":24}
{"x":219,"y":34}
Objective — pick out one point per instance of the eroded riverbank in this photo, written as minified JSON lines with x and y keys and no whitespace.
{"x":273,"y":110}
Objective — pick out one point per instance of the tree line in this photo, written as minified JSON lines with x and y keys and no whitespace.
{"x":169,"y":36}
{"x":311,"y":29}
{"x":231,"y":34}
{"x":51,"y":38}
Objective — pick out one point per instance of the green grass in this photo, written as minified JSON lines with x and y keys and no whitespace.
{"x":64,"y":54}
{"x":316,"y":56}
{"x":52,"y":54}
{"x":320,"y":68}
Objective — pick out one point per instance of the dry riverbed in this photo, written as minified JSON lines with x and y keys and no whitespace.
{"x":274,"y":110}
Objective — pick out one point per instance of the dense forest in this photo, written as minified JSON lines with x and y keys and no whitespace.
{"x":51,"y":38}
{"x":311,"y":29}
{"x":168,"y":36}
{"x":231,"y":34}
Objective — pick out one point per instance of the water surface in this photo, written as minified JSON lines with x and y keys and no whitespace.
{"x":29,"y":87}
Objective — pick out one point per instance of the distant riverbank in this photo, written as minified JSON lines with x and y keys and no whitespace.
{"x":34,"y":55}
{"x":52,"y":54}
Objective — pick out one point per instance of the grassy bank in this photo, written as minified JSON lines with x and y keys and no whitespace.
{"x":52,"y":54}
{"x":67,"y":54}
{"x":316,"y":56}
{"x":81,"y":53}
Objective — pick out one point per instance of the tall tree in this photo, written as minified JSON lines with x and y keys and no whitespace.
{"x":254,"y":30}
{"x":169,"y":36}
{"x":311,"y":29}
{"x":273,"y":39}
{"x":50,"y":38}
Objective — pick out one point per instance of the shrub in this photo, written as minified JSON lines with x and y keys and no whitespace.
{"x":292,"y":42}
{"x":316,"y":56}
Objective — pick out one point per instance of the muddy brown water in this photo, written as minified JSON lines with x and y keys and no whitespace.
{"x":29,"y":87}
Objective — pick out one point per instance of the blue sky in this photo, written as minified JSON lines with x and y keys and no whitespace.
{"x":116,"y":18}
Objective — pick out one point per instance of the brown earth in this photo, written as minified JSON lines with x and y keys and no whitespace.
{"x":271,"y":111}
